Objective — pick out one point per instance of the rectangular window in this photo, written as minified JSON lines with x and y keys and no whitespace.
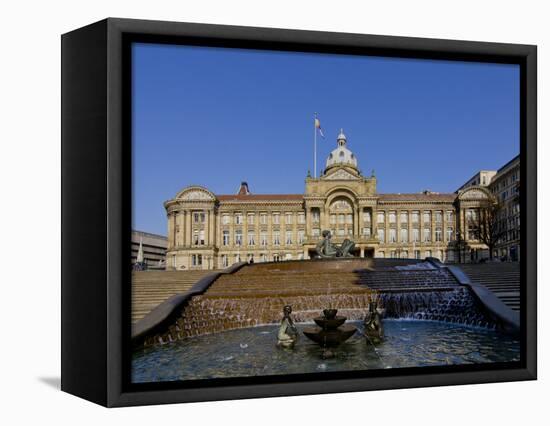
{"x":381,"y":236}
{"x":404,"y":235}
{"x":416,"y":235}
{"x":251,"y":238}
{"x":427,"y":235}
{"x":367,"y":217}
{"x":196,"y":217}
{"x":415,"y":217}
{"x":276,"y":218}
{"x":349,"y":219}
{"x":438,"y":216}
{"x":225,"y":240}
{"x":288,"y":238}
{"x":301,"y":218}
{"x":438,"y":235}
{"x":238,"y":219}
{"x":225,"y":261}
{"x":263,"y":219}
{"x":301,"y":236}
{"x":316,"y":232}
{"x":392,"y":217}
{"x":196,"y":238}
{"x":449,"y":217}
{"x":276,"y":238}
{"x":263,"y":238}
{"x":239,"y":237}
{"x":332,"y":219}
{"x":263,"y":257}
{"x":225,"y":219}
{"x":315,"y":215}
{"x":417,"y":254}
{"x":393,"y":237}
{"x":288,"y":218}
{"x":393,"y":254}
{"x":380,"y":217}
{"x":251,"y":219}
{"x":427,"y":217}
{"x":404,"y":217}
{"x":450,"y":234}
{"x":201,"y":237}
{"x":366,"y":232}
{"x":428,"y":253}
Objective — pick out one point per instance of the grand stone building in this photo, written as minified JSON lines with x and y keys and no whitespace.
{"x":207,"y":230}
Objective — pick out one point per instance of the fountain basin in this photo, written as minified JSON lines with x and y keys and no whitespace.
{"x":329,"y":323}
{"x":330,"y":338}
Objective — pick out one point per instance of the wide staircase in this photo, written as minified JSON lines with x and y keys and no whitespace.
{"x":503,"y":279}
{"x":151,"y":288}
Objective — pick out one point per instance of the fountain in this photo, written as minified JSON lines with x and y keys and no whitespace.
{"x":331,"y":331}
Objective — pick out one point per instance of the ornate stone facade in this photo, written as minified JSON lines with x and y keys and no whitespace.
{"x":207,"y":231}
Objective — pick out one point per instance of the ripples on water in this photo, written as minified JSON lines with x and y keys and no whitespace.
{"x":253,"y":352}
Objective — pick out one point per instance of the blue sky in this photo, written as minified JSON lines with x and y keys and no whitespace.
{"x":216,"y":117}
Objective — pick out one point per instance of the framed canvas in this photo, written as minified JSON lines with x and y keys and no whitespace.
{"x":255,"y":212}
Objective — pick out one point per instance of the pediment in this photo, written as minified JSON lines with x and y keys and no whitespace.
{"x":475,"y":193}
{"x":196,"y":193}
{"x":340,"y":174}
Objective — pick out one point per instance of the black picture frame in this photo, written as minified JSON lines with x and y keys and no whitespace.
{"x":96,"y":202}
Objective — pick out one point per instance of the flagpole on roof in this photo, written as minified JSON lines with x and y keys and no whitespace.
{"x":315,"y":146}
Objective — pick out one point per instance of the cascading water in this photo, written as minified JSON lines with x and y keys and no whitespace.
{"x":247,"y":299}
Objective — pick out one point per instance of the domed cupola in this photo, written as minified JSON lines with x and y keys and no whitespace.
{"x":341,"y":156}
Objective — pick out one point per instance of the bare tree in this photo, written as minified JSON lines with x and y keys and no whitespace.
{"x":487,"y":225}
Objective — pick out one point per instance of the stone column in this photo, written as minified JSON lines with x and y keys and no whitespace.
{"x":324,"y":220}
{"x":179,"y":225}
{"x":433,"y":231}
{"x":374,"y":221}
{"x":189,"y":218}
{"x":309,"y":228}
{"x":387,"y":227}
{"x":356,"y":223}
{"x":212,"y":229}
{"x":206,"y":227}
{"x":171,"y":242}
{"x":421,"y":232}
{"x":410,"y":232}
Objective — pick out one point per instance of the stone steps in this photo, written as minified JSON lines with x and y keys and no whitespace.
{"x":503,"y":279}
{"x":151,"y":288}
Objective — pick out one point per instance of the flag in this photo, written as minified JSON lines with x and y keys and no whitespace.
{"x":318,"y":126}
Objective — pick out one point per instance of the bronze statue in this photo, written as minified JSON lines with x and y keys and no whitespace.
{"x":288,"y":333}
{"x":374,"y":329}
{"x":326,"y":249}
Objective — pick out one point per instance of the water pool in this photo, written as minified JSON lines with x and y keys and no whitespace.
{"x":253,"y":352}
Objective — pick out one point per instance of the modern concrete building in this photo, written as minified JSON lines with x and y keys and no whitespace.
{"x":207,"y":230}
{"x":153,"y":249}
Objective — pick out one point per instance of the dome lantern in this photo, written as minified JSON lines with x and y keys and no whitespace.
{"x":341,"y":156}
